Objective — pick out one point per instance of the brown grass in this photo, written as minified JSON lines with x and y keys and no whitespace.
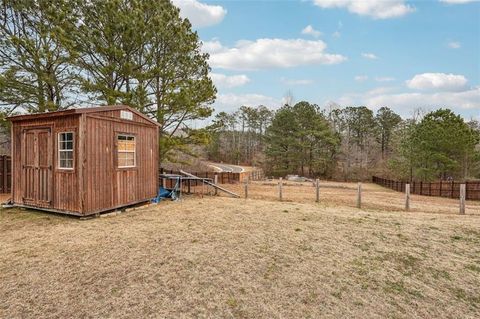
{"x":223,"y":258}
{"x":332,"y":194}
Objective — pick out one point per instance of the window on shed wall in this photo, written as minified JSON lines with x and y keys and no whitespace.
{"x":126,"y":150}
{"x":65,"y":150}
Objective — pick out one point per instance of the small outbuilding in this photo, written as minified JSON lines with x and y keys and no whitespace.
{"x":84,"y":161}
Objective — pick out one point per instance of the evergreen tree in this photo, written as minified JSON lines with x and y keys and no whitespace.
{"x":301,"y":140}
{"x":441,"y":145}
{"x":142,"y":53}
{"x":386,"y":121}
{"x":36,"y":55}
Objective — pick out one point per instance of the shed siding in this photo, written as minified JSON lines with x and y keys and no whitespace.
{"x":107,"y":186}
{"x":116,"y":114}
{"x":65,"y":191}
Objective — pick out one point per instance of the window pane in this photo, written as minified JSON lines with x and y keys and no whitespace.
{"x":121,"y":146}
{"x":130,"y":159}
{"x":130,"y":146}
{"x":126,"y":150}
{"x":122,"y":159}
{"x":68,"y":136}
{"x":65,"y":149}
{"x":65,"y":141}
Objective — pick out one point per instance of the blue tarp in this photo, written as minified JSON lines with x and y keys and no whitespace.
{"x":164,"y":193}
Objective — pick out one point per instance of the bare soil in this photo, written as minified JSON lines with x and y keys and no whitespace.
{"x":219,"y":257}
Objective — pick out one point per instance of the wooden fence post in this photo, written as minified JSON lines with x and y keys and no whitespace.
{"x":246,"y":189}
{"x":280,"y":185}
{"x":179,"y":188}
{"x":215,"y":181}
{"x":317,"y":186}
{"x":407,"y":197}
{"x":466,"y":190}
{"x":462,"y":199}
{"x":359,"y":195}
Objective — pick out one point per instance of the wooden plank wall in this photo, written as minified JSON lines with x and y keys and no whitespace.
{"x":65,"y":190}
{"x":107,"y":186}
{"x":442,"y":188}
{"x":5,"y":174}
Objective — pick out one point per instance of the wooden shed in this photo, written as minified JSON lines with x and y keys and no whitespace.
{"x":84,"y":161}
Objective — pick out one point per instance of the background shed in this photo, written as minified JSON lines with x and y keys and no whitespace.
{"x":84,"y":161}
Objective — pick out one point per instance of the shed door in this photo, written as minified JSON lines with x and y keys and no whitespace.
{"x":37,"y":167}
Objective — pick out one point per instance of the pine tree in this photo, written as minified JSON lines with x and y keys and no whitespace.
{"x":36,"y":55}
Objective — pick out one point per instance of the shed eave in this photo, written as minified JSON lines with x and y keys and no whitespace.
{"x":22,"y":117}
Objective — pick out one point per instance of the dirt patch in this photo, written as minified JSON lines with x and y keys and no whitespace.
{"x":222,"y":257}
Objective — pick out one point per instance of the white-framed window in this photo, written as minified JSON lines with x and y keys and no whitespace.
{"x":126,"y":150}
{"x":65,"y":150}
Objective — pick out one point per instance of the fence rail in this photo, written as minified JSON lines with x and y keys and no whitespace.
{"x":449,"y":189}
{"x":222,"y":178}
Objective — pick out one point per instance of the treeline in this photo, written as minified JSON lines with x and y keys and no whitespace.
{"x":239,"y":137}
{"x":56,"y":54}
{"x":351,"y":143}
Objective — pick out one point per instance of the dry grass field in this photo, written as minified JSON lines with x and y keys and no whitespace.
{"x":218,"y":257}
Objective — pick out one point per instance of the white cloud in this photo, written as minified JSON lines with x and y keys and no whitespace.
{"x":458,"y":1}
{"x":211,"y":47}
{"x":454,"y":45}
{"x":361,"y":78}
{"x":295,"y":82}
{"x":437,"y":81}
{"x":370,"y":56}
{"x":384,"y":79}
{"x":469,"y":99}
{"x":406,"y":102}
{"x":309,"y":30}
{"x":200,"y":14}
{"x":377,"y":9}
{"x":226,"y":81}
{"x":231,"y":102}
{"x":269,"y":53}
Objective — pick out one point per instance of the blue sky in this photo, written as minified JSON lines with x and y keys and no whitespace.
{"x":397,"y":53}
